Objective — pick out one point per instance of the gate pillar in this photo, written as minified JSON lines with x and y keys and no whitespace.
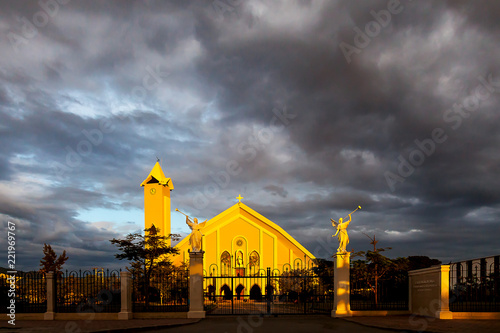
{"x":429,"y":292}
{"x":196,"y":285}
{"x":341,"y":304}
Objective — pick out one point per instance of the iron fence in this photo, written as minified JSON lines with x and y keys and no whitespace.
{"x":30,"y":292}
{"x":389,"y":293}
{"x":295,"y":291}
{"x":475,"y":285}
{"x":88,"y":291}
{"x":166,"y":292}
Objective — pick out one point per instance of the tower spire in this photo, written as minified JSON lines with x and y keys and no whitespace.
{"x":157,"y":189}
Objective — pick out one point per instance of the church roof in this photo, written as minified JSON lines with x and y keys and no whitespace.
{"x":220,"y":219}
{"x":157,"y":176}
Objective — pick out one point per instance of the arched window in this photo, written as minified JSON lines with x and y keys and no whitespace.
{"x":225,"y":263}
{"x":297,"y":264}
{"x":254,"y":261}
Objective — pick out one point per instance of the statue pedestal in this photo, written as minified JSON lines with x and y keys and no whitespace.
{"x":196,"y":285}
{"x":341,"y":305}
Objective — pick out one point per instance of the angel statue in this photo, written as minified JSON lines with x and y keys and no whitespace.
{"x":195,"y":237}
{"x":342,"y":232}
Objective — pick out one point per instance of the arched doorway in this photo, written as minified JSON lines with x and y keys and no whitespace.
{"x":226,"y":292}
{"x":211,"y":293}
{"x":239,"y":291}
{"x":256,"y":293}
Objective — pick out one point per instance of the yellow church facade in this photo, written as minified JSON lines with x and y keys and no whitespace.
{"x":237,"y":242}
{"x":240,"y":241}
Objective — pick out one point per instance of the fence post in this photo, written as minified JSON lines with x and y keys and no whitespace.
{"x":268,"y":291}
{"x":341,"y":304}
{"x":51,"y":296}
{"x":496,"y":274}
{"x":126,"y":296}
{"x":196,"y":298}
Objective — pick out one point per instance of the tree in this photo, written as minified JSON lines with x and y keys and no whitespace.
{"x":50,"y":262}
{"x":418,"y":262}
{"x":374,"y":267}
{"x":147,"y":253}
{"x":324,"y":269}
{"x":173,"y":286}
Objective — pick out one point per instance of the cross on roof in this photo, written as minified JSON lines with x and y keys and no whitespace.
{"x":239,"y":197}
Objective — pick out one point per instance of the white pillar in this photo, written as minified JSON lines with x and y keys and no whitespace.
{"x":126,"y":296}
{"x":341,"y":305}
{"x":196,"y":309}
{"x":429,"y":292}
{"x":51,"y":296}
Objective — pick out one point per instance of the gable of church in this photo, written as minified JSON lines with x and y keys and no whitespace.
{"x":240,"y":237}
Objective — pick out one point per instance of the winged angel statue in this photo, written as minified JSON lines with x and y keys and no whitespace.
{"x":341,"y":233}
{"x":195,"y":237}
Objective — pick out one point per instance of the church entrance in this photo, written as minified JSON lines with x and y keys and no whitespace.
{"x":239,"y":291}
{"x":256,"y":293}
{"x":270,"y":292}
{"x":225,"y":292}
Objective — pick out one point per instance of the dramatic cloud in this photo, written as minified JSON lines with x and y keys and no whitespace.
{"x":306,"y":108}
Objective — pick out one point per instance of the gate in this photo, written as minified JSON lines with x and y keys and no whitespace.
{"x":270,"y":292}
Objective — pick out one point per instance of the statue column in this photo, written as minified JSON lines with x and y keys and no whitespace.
{"x":196,"y":285}
{"x":341,"y":305}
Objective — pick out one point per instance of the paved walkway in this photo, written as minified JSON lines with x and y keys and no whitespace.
{"x":255,"y":324}
{"x":426,"y":324}
{"x":80,"y":326}
{"x":281,"y":324}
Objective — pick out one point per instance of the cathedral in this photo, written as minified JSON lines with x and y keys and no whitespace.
{"x":237,"y":242}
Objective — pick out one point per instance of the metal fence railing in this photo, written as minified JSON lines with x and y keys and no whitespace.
{"x":475,"y":285}
{"x":167,"y":292}
{"x":30,"y":292}
{"x":88,"y":291}
{"x":269,"y":292}
{"x":387,"y":293}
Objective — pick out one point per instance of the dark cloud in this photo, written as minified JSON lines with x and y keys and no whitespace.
{"x":276,"y":190}
{"x":90,"y":99}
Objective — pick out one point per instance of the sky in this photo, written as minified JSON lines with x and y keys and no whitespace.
{"x":305,"y":108}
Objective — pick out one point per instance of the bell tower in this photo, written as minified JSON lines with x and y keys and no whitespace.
{"x":157,"y":189}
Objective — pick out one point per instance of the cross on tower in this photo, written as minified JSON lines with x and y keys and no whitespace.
{"x":239,"y":197}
